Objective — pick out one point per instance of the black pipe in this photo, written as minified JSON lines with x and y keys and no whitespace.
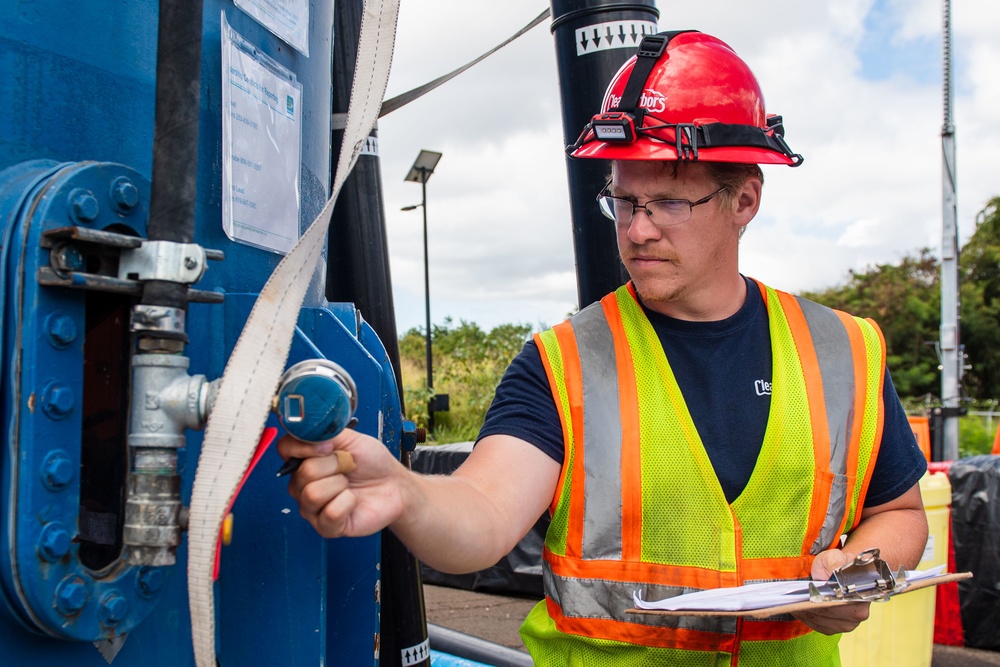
{"x":583,"y":78}
{"x":469,"y":647}
{"x":175,"y":137}
{"x":358,"y":272}
{"x":358,"y":257}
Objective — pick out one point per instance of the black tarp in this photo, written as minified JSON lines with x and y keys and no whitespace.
{"x":975,"y":517}
{"x":517,"y":573}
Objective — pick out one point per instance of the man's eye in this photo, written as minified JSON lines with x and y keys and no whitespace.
{"x":669,"y":205}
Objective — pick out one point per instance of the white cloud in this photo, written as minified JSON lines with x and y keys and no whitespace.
{"x":869,"y":192}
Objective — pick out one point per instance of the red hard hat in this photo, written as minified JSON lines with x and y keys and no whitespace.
{"x":685,"y":96}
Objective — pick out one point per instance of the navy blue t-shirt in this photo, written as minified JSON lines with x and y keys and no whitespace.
{"x":723,"y":369}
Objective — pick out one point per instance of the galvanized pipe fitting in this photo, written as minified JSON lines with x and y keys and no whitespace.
{"x":165,"y":402}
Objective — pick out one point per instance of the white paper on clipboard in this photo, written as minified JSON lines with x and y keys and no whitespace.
{"x":261,"y":146}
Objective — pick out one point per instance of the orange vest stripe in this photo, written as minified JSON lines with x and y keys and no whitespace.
{"x":571,"y":366}
{"x":613,"y":570}
{"x":880,"y":425}
{"x":567,"y":444}
{"x":762,"y":631}
{"x":642,"y":634}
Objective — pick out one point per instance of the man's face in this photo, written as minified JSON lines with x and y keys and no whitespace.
{"x":685,"y":269}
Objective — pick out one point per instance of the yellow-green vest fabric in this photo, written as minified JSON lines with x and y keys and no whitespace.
{"x":640,"y":509}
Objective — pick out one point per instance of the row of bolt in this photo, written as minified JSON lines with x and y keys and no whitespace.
{"x":72,"y":595}
{"x":57,"y":402}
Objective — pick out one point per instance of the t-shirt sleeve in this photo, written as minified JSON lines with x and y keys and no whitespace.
{"x":523,"y":406}
{"x":900,"y":463}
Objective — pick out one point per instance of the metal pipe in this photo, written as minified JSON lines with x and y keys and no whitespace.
{"x":951,"y":357}
{"x":358,"y":261}
{"x":475,"y":648}
{"x":427,"y":306}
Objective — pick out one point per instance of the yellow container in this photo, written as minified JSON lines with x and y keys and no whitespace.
{"x":900,"y":632}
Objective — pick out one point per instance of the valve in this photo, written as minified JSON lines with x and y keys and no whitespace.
{"x":316,"y":400}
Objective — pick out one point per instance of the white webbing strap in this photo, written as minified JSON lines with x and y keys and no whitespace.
{"x":255,"y":366}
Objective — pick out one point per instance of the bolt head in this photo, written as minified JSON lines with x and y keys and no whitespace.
{"x":113,"y":610}
{"x":67,"y":258}
{"x":54,"y":542}
{"x":71,"y":595}
{"x":124,"y":194}
{"x":57,"y":470}
{"x":57,"y":400}
{"x":150,"y":580}
{"x":83,"y":205}
{"x":61,"y":329}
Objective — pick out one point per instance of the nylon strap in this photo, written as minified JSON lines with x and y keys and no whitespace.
{"x":651,"y":48}
{"x":255,"y":366}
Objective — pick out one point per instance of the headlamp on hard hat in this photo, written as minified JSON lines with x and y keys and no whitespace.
{"x":614,"y":126}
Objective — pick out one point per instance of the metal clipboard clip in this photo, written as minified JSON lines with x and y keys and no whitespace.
{"x":866,"y":579}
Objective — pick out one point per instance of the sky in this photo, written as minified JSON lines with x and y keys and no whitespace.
{"x":858,"y":82}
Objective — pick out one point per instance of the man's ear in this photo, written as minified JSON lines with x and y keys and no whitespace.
{"x":747,"y":201}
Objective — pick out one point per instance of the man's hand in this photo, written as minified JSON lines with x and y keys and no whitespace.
{"x":833,"y":619}
{"x":361,"y":502}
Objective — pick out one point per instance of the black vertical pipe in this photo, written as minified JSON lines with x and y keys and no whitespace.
{"x":583,"y":78}
{"x":358,"y":272}
{"x":175,"y":137}
{"x":358,"y":257}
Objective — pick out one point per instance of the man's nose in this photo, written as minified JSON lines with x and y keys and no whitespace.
{"x":642,"y":229}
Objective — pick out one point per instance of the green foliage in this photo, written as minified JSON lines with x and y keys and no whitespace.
{"x":980,"y":304}
{"x":905,"y":300}
{"x":975,"y":435}
{"x":468,"y":363}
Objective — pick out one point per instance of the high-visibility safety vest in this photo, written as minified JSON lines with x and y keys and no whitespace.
{"x":639,"y":508}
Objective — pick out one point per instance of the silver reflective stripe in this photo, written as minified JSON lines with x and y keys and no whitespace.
{"x":602,"y":436}
{"x":836,"y":365}
{"x":608,"y":600}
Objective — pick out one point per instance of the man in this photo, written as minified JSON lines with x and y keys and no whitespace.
{"x":695,"y":429}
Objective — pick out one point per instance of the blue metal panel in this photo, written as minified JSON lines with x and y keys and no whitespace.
{"x":77,"y":83}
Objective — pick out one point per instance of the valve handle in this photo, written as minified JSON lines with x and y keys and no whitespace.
{"x":316,"y":400}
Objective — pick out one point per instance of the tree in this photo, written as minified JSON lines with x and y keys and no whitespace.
{"x":980,"y":304}
{"x":905,"y":301}
{"x":468,"y":365}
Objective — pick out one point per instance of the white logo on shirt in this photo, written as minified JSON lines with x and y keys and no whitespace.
{"x":763,"y":387}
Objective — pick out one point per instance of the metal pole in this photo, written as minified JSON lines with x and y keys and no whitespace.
{"x":951,"y":361}
{"x":593,"y":38}
{"x":427,"y":305}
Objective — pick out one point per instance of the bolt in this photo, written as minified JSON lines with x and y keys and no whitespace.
{"x":54,"y":542}
{"x":412,"y":434}
{"x":57,"y":470}
{"x":124,"y":194}
{"x":61,"y":329}
{"x":150,"y":581}
{"x":83,"y":205}
{"x":190,"y":263}
{"x":57,"y":400}
{"x":71,"y":595}
{"x":114,"y":609}
{"x":67,"y":258}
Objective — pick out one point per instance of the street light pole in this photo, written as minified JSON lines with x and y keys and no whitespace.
{"x":420,"y":172}
{"x":427,"y":304}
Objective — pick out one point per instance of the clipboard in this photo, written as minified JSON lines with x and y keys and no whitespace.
{"x":866,"y":579}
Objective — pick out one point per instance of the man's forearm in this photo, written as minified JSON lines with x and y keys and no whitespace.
{"x":898,"y":529}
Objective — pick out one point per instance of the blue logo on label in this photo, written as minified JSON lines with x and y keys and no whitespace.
{"x":290,"y":105}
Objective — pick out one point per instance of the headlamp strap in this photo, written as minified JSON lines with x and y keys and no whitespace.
{"x":651,"y":48}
